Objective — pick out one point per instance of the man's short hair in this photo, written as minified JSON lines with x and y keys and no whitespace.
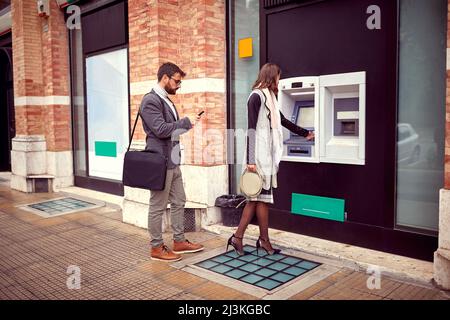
{"x":169,"y":69}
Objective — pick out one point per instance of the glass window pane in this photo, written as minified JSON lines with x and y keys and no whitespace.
{"x":421,"y":112}
{"x":107,"y":113}
{"x":244,"y":23}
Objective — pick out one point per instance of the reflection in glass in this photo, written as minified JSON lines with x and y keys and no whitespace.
{"x":421,"y":112}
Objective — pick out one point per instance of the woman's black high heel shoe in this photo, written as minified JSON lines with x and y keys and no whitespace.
{"x":258,"y":245}
{"x":234,"y":245}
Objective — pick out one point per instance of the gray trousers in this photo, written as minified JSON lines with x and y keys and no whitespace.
{"x":174,"y":193}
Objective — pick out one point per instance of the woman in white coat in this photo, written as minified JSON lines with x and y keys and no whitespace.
{"x":263,"y":153}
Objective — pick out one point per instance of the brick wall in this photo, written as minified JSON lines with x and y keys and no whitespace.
{"x":447,"y":135}
{"x":55,"y":69}
{"x":41,"y":69}
{"x":27,"y":59}
{"x":192,"y":35}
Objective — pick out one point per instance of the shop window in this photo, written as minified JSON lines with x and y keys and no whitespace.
{"x":421,"y":113}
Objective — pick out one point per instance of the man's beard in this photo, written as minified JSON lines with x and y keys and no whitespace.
{"x":169,"y":90}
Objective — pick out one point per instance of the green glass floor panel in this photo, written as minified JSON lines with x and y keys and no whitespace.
{"x":282,"y":277}
{"x":263,"y":271}
{"x":278,"y":266}
{"x":263,"y":262}
{"x":221,"y":269}
{"x":235,"y":263}
{"x":236,"y":273}
{"x":248,"y":258}
{"x":250,"y":267}
{"x":275,"y":257}
{"x":268,"y":284}
{"x":295,"y":271}
{"x":208,"y":264}
{"x":221,"y":259}
{"x":252,"y":278}
{"x":61,"y":205}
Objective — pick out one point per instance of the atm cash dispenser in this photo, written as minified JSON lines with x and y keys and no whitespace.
{"x":333,"y":106}
{"x":298,"y":100}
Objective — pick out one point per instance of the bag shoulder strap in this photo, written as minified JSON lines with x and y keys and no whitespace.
{"x":137,"y":117}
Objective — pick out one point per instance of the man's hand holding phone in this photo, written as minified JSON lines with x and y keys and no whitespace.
{"x":195,"y":118}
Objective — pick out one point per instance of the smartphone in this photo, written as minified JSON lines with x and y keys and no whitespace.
{"x":201,"y":113}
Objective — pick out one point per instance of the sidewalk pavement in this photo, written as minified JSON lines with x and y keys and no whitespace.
{"x":41,"y":257}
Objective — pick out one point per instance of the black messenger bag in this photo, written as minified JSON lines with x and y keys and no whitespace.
{"x":144,"y":169}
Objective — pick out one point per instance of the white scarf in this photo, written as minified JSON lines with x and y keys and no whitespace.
{"x":277,"y":131}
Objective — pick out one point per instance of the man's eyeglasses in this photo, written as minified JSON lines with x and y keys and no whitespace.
{"x":177,"y":82}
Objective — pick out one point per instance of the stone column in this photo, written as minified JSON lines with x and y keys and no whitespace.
{"x":41,"y":157}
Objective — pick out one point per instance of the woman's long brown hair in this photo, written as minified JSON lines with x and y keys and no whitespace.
{"x":267,"y":77}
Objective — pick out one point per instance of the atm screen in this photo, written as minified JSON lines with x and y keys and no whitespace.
{"x":305,"y":118}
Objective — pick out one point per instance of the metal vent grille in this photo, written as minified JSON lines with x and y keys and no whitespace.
{"x":189,"y":220}
{"x":275,"y":3}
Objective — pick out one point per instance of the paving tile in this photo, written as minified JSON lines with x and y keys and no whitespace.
{"x":410,"y":292}
{"x":6,"y":280}
{"x":13,"y":250}
{"x":61,"y":227}
{"x":338,"y":276}
{"x":43,"y":269}
{"x":19,"y":260}
{"x":4,"y":241}
{"x":311,"y":291}
{"x":52,"y":246}
{"x":16,"y":292}
{"x":27,"y":216}
{"x":185,"y":296}
{"x":84,"y":218}
{"x":27,"y":235}
{"x":107,"y":225}
{"x":336,"y":293}
{"x":154,"y":267}
{"x":182,"y":280}
{"x":48,"y":222}
{"x":359,"y":281}
{"x":214,"y":291}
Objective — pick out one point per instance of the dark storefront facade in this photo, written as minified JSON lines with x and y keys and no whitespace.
{"x":390,"y":196}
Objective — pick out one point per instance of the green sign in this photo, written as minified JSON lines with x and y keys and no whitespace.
{"x":318,"y":207}
{"x":106,"y":149}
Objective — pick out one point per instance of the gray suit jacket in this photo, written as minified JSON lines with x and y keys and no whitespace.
{"x":162,"y":129}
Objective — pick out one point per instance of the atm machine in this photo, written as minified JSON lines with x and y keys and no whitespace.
{"x":298,"y":99}
{"x":333,"y":106}
{"x":303,"y":116}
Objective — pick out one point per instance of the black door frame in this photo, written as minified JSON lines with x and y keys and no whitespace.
{"x":6,"y":51}
{"x":100,"y":184}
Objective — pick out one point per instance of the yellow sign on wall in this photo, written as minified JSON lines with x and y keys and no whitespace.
{"x":245,"y":48}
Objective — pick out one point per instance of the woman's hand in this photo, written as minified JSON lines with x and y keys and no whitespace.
{"x":251,"y":167}
{"x":310,"y":136}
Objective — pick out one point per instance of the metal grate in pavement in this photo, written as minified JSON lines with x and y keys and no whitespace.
{"x":258,"y":269}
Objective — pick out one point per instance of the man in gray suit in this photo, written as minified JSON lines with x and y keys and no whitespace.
{"x":163,"y":126}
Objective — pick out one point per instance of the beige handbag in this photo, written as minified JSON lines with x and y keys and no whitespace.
{"x":251,"y":184}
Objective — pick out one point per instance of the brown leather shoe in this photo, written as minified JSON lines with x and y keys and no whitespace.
{"x":186,"y":247}
{"x":163,"y":253}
